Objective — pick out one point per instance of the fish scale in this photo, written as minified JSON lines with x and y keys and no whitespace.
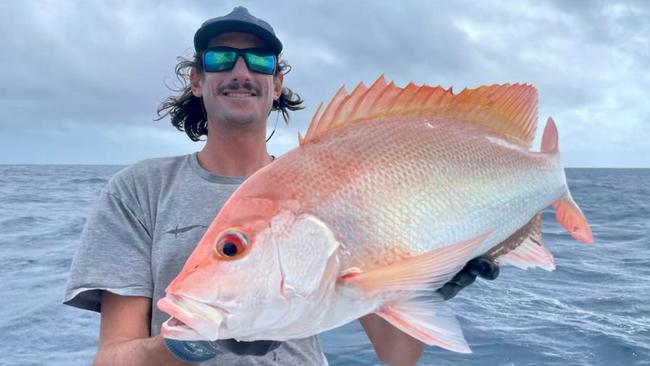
{"x":401,"y":163}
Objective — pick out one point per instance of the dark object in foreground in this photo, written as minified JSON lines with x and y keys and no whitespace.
{"x":256,"y":348}
{"x":480,"y":266}
{"x":199,"y":351}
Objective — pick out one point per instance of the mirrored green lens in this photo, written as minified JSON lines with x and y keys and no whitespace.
{"x":260,"y":63}
{"x":225,"y":58}
{"x":214,"y":61}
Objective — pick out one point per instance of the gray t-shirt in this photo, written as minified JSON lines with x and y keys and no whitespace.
{"x":144,"y":226}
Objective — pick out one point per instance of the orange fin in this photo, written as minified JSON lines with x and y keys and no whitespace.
{"x":569,"y":215}
{"x":427,"y":319}
{"x":349,"y":104}
{"x":524,"y":248}
{"x":424,"y":272}
{"x":550,"y":137}
{"x":531,"y":252}
{"x":508,"y":110}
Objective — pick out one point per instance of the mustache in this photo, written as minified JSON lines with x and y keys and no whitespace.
{"x":234,"y":85}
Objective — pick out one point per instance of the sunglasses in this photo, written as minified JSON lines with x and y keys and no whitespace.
{"x":224,"y":58}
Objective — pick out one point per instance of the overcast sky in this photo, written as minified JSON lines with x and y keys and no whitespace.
{"x":81,"y":80}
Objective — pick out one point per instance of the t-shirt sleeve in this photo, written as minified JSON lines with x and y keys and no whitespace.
{"x":114,"y":253}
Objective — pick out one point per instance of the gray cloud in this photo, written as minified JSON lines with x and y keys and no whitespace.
{"x":82,"y":80}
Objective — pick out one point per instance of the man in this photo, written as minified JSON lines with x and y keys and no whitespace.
{"x":150,"y":216}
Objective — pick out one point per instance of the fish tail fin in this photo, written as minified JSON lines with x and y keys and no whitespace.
{"x":569,"y":215}
{"x":567,"y":212}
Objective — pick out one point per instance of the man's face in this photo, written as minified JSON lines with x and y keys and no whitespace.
{"x":239,"y":96}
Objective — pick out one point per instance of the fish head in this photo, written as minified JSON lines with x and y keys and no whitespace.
{"x":255,"y":273}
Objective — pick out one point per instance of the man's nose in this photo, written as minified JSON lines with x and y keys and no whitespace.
{"x":240,"y":72}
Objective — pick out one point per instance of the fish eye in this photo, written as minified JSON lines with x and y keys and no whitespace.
{"x":231,"y":244}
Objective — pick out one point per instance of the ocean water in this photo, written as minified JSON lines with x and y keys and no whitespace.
{"x":594,"y":309}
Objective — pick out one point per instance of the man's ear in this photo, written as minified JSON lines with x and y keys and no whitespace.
{"x":277,"y":86}
{"x":195,"y":83}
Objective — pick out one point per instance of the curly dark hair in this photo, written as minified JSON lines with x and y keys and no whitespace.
{"x":186,"y":110}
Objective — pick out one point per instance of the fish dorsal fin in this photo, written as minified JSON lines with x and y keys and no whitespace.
{"x":507,"y":109}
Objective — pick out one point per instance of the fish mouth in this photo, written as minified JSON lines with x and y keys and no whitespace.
{"x":190,"y":319}
{"x":173,"y":328}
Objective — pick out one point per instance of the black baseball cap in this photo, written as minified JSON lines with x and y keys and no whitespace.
{"x":238,"y":20}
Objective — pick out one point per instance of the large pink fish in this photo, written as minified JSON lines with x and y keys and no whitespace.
{"x":389,"y":194}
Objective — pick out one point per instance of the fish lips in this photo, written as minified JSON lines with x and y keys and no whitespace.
{"x":190,"y":319}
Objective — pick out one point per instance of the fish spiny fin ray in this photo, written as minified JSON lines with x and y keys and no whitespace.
{"x":330,"y":110}
{"x":509,"y":109}
{"x":424,"y":272}
{"x":347,"y":105}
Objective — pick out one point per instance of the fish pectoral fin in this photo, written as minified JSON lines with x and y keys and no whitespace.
{"x":424,"y":272}
{"x":428,"y":319}
{"x":524,"y":248}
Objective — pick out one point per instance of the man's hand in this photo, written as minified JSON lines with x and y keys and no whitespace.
{"x":480,"y":266}
{"x":199,"y":351}
{"x":257,"y":348}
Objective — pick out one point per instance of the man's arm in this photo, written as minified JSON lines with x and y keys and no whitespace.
{"x":392,"y":346}
{"x":124,"y":336}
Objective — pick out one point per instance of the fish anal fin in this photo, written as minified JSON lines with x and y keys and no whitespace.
{"x":424,"y":272}
{"x":571,"y":218}
{"x":509,"y":110}
{"x":427,"y":319}
{"x":524,"y":248}
{"x":529,"y":254}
